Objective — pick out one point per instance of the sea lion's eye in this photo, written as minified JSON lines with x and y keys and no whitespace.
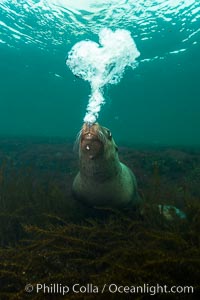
{"x":109,"y":134}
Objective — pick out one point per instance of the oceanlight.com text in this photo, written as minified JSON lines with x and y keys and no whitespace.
{"x":112,"y":288}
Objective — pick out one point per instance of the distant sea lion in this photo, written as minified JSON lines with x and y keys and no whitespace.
{"x":102,"y":180}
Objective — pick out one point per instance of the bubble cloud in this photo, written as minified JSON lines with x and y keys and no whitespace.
{"x":102,"y":64}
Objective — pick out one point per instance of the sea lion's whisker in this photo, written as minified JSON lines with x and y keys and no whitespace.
{"x":102,"y":137}
{"x":77,"y":141}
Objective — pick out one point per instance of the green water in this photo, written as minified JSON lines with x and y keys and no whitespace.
{"x":156,"y":103}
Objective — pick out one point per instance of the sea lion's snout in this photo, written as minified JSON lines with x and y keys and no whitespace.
{"x":90,"y":144}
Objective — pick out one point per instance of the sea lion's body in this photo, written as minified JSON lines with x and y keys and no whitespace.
{"x":102,"y":179}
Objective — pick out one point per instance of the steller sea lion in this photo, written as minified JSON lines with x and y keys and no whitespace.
{"x":102,"y":181}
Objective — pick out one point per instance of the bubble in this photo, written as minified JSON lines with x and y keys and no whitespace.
{"x":102,"y":64}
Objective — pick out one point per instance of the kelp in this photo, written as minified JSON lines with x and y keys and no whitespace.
{"x":47,"y":237}
{"x":124,"y":257}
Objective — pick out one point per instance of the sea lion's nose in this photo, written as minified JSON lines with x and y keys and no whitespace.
{"x":90,"y":130}
{"x":89,"y":125}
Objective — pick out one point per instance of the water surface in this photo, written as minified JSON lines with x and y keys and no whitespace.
{"x":157,"y":103}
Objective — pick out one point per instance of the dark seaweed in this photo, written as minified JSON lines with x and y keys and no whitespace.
{"x":48,"y":237}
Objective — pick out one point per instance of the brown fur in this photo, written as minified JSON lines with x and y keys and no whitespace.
{"x":102,"y":179}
